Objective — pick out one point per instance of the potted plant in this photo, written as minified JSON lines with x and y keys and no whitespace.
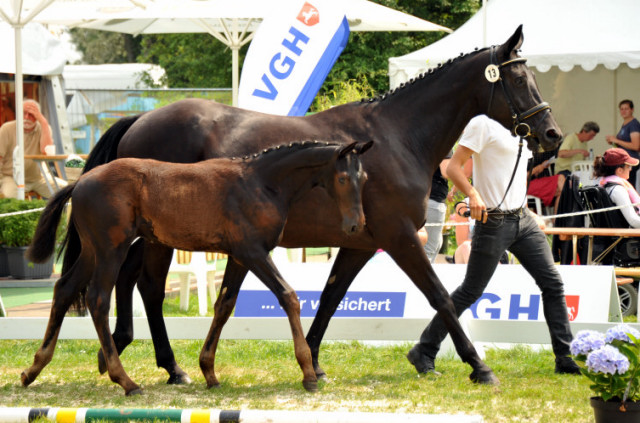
{"x":611,"y":361}
{"x":73,"y":167}
{"x":17,"y":227}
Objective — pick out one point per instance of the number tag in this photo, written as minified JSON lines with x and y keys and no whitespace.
{"x":492,"y":73}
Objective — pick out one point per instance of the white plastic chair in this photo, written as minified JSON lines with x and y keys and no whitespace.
{"x":186,"y":263}
{"x":584,"y":171}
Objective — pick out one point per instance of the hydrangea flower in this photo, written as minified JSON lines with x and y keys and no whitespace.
{"x":586,"y":341}
{"x":607,"y":360}
{"x":620,"y":332}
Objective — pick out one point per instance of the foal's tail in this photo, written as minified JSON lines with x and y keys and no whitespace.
{"x":44,"y":240}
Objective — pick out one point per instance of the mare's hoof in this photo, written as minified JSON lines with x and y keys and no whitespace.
{"x":102,"y":365}
{"x":213,"y":385}
{"x":26,"y":380}
{"x":135,"y":391}
{"x":484,"y":377}
{"x":179,"y":379}
{"x":310,"y":386}
{"x":320,"y":374}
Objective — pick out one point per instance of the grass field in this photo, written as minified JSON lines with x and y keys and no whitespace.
{"x":265,"y":375}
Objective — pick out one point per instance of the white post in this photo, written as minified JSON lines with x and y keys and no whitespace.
{"x":19,"y":114}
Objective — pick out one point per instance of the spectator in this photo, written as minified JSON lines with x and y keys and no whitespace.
{"x":572,"y":148}
{"x":37,"y":135}
{"x":542,"y":182}
{"x":436,"y":210}
{"x":629,"y":135}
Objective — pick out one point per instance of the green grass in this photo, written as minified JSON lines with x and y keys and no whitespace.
{"x":14,"y":297}
{"x":264,"y":375}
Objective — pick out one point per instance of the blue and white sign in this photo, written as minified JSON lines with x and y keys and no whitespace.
{"x":381,"y":289}
{"x":291,"y":54}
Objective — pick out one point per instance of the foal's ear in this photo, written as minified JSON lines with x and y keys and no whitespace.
{"x":361,"y":148}
{"x":346,"y":150}
{"x":512,"y":44}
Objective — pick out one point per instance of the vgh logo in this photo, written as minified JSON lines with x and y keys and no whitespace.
{"x":309,"y":15}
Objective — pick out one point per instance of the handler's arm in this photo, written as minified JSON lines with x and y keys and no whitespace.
{"x":455,"y":171}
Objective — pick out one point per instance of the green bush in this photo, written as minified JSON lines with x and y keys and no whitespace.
{"x":18,"y":230}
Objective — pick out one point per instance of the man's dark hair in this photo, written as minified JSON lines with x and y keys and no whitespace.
{"x":590,"y":126}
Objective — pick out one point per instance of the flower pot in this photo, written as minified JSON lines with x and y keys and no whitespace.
{"x":21,"y":268}
{"x":4,"y":262}
{"x":609,"y":411}
{"x":73,"y":173}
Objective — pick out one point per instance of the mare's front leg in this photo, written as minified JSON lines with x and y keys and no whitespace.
{"x":234,"y":274}
{"x":267,"y":272}
{"x":66,"y":290}
{"x":346,"y":267}
{"x":406,"y":250}
{"x":98,"y":299}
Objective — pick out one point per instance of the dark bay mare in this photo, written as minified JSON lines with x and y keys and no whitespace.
{"x":413,"y":127}
{"x":238,"y":207}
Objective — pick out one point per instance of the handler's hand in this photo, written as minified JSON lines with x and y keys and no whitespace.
{"x":478,"y":208}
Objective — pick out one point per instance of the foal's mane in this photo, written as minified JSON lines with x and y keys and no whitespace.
{"x":430,"y":74}
{"x":287,"y":148}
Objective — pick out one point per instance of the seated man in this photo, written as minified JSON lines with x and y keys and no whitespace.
{"x":573,"y":148}
{"x":37,"y":135}
{"x":542,"y":182}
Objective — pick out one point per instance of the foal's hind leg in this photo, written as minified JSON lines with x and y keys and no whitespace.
{"x":64,"y":293}
{"x":344,"y":270}
{"x":234,"y":274}
{"x":266,"y":271}
{"x":98,"y":299}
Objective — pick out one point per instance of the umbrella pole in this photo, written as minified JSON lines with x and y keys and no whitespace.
{"x":18,"y":163}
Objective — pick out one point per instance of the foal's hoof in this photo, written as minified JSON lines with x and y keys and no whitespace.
{"x":26,"y":380}
{"x":320,"y":374}
{"x":179,"y":379}
{"x":484,"y":377}
{"x":310,"y":386}
{"x":135,"y":391}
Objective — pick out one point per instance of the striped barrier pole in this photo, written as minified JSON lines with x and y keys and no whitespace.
{"x":82,"y":415}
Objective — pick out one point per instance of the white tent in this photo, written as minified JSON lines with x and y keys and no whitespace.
{"x":586,"y":52}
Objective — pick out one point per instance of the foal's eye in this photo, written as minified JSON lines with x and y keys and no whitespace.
{"x":342,"y":180}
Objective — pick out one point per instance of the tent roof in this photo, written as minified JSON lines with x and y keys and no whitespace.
{"x":42,"y":52}
{"x":120,"y":76}
{"x":563,"y":33}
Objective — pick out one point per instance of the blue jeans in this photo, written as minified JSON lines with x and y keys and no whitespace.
{"x":522,"y":236}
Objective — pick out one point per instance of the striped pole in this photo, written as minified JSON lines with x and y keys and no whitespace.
{"x":82,"y":415}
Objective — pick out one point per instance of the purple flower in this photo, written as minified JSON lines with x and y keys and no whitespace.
{"x":620,"y":332}
{"x":587,"y":341}
{"x":607,"y":360}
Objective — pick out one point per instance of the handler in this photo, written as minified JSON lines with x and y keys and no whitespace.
{"x":503,"y":222}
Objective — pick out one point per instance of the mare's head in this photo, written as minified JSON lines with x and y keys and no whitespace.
{"x":514,"y":98}
{"x":344,"y":183}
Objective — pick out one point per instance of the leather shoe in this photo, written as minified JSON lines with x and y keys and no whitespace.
{"x":422,"y":363}
{"x":566,"y":366}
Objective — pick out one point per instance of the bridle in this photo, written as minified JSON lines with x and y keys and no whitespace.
{"x":519,"y":128}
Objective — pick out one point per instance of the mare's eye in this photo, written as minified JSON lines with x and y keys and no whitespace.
{"x":520,"y":80}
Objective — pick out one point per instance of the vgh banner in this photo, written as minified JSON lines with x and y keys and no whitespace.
{"x":290,"y":56}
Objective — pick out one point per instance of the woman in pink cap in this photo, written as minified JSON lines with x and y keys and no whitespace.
{"x":612,"y":170}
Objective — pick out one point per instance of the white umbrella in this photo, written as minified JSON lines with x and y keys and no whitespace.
{"x":234,"y":22}
{"x":18,"y":13}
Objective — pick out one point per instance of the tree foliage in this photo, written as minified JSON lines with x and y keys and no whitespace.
{"x":199,"y":60}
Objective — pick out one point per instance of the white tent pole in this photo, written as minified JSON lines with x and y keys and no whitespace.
{"x":19,"y":114}
{"x":235,"y":65}
{"x":484,"y":23}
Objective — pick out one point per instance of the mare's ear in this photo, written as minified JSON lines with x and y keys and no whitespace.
{"x":361,"y":148}
{"x":512,"y":44}
{"x":346,"y":150}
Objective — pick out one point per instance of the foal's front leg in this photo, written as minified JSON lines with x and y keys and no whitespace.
{"x":267,"y":272}
{"x":234,"y":274}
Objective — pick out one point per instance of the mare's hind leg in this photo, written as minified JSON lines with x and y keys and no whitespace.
{"x":64,"y":293}
{"x":157,"y":259}
{"x":98,"y":299}
{"x":347,"y":265}
{"x":234,"y":274}
{"x":267,"y":272}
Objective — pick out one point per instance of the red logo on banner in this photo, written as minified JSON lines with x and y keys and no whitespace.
{"x":573,"y":303}
{"x":309,"y":15}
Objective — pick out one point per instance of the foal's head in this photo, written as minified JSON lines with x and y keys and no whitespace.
{"x":345,"y":185}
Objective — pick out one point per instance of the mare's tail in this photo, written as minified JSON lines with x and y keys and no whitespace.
{"x":44,"y":240}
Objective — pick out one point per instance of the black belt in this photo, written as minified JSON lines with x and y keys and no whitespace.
{"x":499,"y":212}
